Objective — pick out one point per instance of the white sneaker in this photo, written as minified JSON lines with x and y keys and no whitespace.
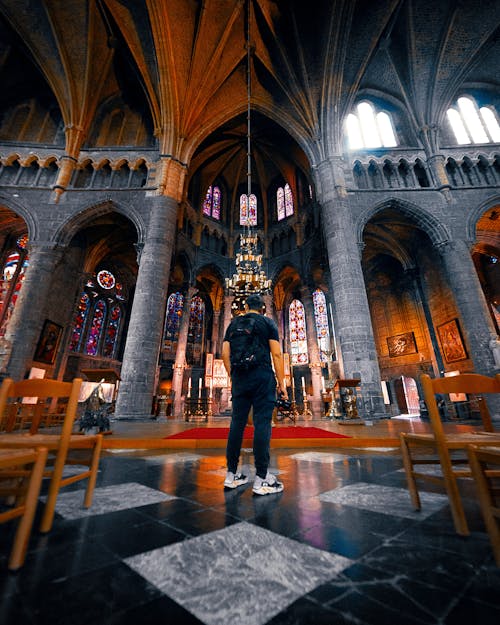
{"x":267,"y":486}
{"x":233,"y":480}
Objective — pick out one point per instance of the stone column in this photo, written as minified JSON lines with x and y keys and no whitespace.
{"x":225,"y":394}
{"x":476,"y":323}
{"x":145,"y":329}
{"x":27,"y":318}
{"x":353,"y":328}
{"x":313,"y":349}
{"x":180,"y":354}
{"x":216,"y":340}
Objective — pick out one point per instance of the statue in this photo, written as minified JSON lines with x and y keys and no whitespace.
{"x":349,"y":402}
{"x":96,"y":411}
{"x":494,"y":345}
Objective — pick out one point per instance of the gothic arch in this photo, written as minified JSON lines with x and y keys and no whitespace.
{"x":67,"y":231}
{"x":434,"y":229}
{"x":475,"y":214}
{"x":19,"y":209}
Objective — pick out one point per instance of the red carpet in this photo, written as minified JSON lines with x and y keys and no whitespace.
{"x":278,"y":432}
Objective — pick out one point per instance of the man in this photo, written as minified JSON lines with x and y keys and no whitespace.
{"x":253,"y":386}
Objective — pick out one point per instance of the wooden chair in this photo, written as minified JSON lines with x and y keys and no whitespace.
{"x":441,"y":443}
{"x":21,"y":473}
{"x":485,"y":467}
{"x":61,"y":446}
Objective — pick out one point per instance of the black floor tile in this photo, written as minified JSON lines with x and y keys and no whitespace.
{"x":404,"y":571}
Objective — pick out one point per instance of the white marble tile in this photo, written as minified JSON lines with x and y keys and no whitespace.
{"x":241,"y":575}
{"x":318,"y":456}
{"x":182,"y":456}
{"x":426,"y":469}
{"x":246,"y":469}
{"x":108,"y":499}
{"x":384,"y":499}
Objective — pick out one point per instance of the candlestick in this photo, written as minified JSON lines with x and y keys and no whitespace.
{"x":199,"y":388}
{"x":304,"y":385}
{"x":189,"y":388}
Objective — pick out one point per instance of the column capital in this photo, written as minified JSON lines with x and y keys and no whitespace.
{"x":171,"y":177}
{"x":453,"y":245}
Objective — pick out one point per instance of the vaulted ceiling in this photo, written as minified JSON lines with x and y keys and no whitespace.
{"x":309,"y":60}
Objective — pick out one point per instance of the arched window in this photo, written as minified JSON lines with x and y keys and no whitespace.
{"x":115,"y":315}
{"x":194,"y":347}
{"x":280,"y":201}
{"x":79,"y":323}
{"x":248,"y":213}
{"x":321,"y":321}
{"x":471,"y":124}
{"x":369,"y":129}
{"x":99,"y":316}
{"x":298,"y":335}
{"x":11,"y":280}
{"x":284,"y":200}
{"x":96,"y":327}
{"x":175,"y":305}
{"x":212,"y":201}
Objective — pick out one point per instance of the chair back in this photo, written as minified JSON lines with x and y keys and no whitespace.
{"x":11,"y":391}
{"x":468,"y":383}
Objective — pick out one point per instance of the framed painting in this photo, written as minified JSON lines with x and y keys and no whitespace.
{"x":401,"y":344}
{"x":48,"y":343}
{"x":452,"y":344}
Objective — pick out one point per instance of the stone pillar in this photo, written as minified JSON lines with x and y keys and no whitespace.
{"x":225,"y":394}
{"x":180,"y":354}
{"x":216,"y":341}
{"x":353,"y":328}
{"x":145,"y":329}
{"x":313,"y":350}
{"x":27,"y":318}
{"x":476,"y":323}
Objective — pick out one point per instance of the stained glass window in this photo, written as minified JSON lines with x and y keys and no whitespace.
{"x":96,"y":327}
{"x":11,"y":280}
{"x":195,"y":331}
{"x":212,"y":201}
{"x":252,"y":211}
{"x":243,"y":210}
{"x":115,"y":316}
{"x":22,"y":242}
{"x":280,"y":199}
{"x":288,"y":200}
{"x":248,"y":214}
{"x":284,"y":199}
{"x":298,"y":335}
{"x":79,"y":323}
{"x":106,"y":279}
{"x":175,"y":305}
{"x":321,"y":321}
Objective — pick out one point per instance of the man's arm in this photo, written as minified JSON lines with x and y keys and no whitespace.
{"x":279,"y":368}
{"x":226,"y":356}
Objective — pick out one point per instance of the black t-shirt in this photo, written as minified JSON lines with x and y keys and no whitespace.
{"x":265,"y":328}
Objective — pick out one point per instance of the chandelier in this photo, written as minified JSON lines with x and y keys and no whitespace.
{"x":249,"y":277}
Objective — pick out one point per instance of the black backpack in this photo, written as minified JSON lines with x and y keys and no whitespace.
{"x":247,"y":350}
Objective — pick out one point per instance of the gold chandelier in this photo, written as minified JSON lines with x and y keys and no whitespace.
{"x":249,"y":277}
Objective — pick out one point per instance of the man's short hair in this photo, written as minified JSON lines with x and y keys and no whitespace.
{"x":255,"y":302}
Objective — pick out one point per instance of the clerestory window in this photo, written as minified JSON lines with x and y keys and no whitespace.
{"x":368,"y":128}
{"x":473,"y":124}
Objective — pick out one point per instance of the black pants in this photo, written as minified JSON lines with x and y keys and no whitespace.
{"x":253,"y":388}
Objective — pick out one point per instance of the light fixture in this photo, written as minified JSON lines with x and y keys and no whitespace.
{"x":249,"y":277}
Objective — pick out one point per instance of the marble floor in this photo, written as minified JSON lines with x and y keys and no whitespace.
{"x":164,"y":544}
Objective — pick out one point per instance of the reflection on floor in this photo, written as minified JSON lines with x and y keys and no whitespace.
{"x":164,"y":544}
